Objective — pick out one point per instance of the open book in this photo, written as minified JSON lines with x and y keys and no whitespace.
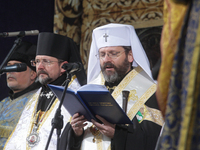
{"x":90,"y":100}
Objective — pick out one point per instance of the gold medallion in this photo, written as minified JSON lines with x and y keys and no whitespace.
{"x":94,"y":132}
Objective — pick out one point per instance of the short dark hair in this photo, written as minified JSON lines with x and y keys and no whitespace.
{"x":127,"y":49}
{"x":60,"y":61}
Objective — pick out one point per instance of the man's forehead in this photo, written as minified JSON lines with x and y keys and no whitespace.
{"x":13,"y":62}
{"x":45,"y":57}
{"x":111,"y":48}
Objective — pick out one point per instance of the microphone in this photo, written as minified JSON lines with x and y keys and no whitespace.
{"x":19,"y":33}
{"x":14,"y":68}
{"x":72,"y":67}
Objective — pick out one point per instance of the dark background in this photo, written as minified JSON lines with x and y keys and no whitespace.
{"x":22,"y":15}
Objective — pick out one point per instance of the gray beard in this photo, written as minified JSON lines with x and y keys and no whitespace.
{"x":119,"y":72}
{"x":111,"y":78}
{"x":44,"y":81}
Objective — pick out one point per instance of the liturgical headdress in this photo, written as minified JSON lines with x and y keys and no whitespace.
{"x":116,"y":35}
{"x":24,"y":53}
{"x":60,"y":47}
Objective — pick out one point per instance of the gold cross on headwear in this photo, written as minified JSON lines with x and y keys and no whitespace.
{"x":105,"y":36}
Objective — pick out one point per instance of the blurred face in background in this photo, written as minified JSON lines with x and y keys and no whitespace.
{"x":18,"y":81}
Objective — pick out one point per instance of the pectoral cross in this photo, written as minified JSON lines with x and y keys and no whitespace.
{"x":48,"y":95}
{"x":105,"y":36}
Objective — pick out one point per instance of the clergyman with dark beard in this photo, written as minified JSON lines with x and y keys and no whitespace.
{"x":34,"y":126}
{"x":118,"y":61}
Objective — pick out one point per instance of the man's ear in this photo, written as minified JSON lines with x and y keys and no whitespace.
{"x":33,"y":75}
{"x":62,"y":70}
{"x":130,"y":56}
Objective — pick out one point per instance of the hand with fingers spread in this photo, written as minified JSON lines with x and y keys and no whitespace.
{"x":78,"y":123}
{"x":106,"y":128}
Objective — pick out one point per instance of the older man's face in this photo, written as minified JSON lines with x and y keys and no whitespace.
{"x":18,"y":81}
{"x":114,"y":62}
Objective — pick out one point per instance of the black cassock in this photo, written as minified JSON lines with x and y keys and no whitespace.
{"x":139,"y":136}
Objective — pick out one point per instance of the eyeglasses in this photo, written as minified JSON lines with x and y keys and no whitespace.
{"x":111,"y":54}
{"x":45,"y":62}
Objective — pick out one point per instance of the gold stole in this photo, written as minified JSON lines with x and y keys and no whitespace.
{"x":141,"y":88}
{"x":30,"y":108}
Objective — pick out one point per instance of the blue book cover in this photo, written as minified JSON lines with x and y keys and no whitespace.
{"x":91,"y":100}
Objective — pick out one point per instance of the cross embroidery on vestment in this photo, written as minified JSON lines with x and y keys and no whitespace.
{"x":105,"y":36}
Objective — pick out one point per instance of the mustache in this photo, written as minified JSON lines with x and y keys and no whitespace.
{"x":11,"y":76}
{"x":41,"y":72}
{"x":108,"y":64}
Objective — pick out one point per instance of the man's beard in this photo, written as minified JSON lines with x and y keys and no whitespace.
{"x":45,"y":80}
{"x":119,"y":72}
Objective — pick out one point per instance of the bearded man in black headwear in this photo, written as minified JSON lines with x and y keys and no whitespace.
{"x":53,"y":51}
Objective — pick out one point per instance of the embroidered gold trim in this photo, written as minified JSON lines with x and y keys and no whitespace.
{"x":95,"y":132}
{"x":109,"y":147}
{"x":153,"y":115}
{"x":53,"y":105}
{"x":135,"y":108}
{"x":28,"y":105}
{"x":5,"y":131}
{"x":48,"y":112}
{"x":126,"y":81}
{"x":133,"y":95}
{"x":99,"y":142}
{"x":72,"y":79}
{"x":32,"y":119}
{"x":102,"y":79}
